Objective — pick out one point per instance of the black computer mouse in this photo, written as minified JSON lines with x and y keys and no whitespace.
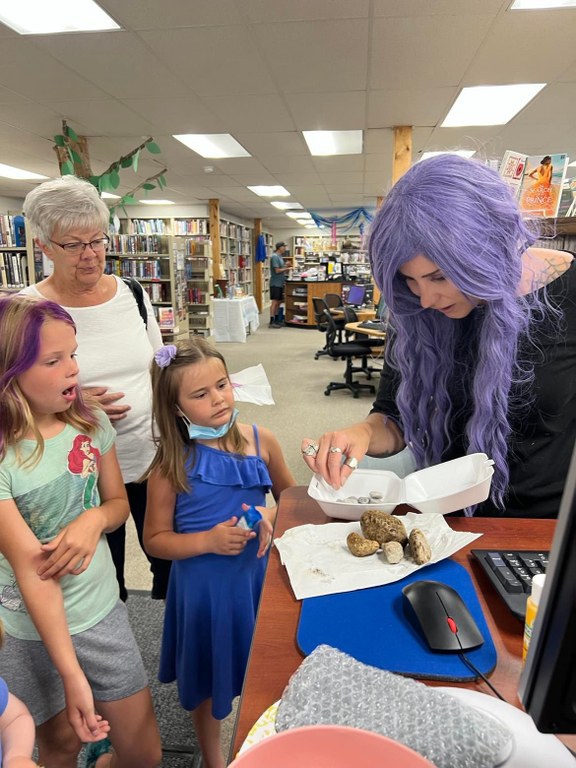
{"x":443,"y":616}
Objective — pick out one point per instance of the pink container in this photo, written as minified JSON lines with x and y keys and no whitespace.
{"x":329,"y":746}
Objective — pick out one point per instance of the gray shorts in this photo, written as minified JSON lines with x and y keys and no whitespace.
{"x":107,"y":653}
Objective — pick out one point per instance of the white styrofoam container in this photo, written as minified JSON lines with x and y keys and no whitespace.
{"x":443,"y":488}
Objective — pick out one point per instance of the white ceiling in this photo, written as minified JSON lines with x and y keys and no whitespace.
{"x":264,"y":70}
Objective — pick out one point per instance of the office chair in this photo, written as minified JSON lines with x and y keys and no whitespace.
{"x":347,"y":350}
{"x":333,"y":301}
{"x":319,"y":307}
{"x":350,"y":316}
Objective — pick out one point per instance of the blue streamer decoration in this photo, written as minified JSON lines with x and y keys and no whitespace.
{"x":357,"y":217}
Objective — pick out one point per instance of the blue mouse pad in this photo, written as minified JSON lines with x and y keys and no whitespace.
{"x":377,"y":626}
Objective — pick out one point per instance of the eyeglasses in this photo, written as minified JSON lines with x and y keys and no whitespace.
{"x":77,"y":249}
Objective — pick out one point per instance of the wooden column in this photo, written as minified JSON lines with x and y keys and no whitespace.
{"x":257,"y":266}
{"x":402,"y":151}
{"x":214,"y":214}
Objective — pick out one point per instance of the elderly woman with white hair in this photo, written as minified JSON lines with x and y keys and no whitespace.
{"x":69,"y":222}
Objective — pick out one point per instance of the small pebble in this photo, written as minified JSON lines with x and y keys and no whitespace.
{"x":363,"y":500}
{"x":376,"y":495}
{"x":350,"y":500}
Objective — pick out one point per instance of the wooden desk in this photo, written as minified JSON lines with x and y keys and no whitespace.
{"x":355,"y":328}
{"x":362,"y":314}
{"x":275,"y":656}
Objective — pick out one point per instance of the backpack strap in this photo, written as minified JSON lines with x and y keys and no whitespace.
{"x":138,"y":293}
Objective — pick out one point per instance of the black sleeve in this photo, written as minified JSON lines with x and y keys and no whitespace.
{"x":386,"y":396}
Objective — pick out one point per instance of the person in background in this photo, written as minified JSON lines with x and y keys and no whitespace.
{"x":69,"y":222}
{"x":69,"y":654}
{"x":278,"y":270}
{"x":207,"y":470}
{"x":482,"y":329}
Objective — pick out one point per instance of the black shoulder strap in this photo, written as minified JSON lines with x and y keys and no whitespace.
{"x":138,"y":293}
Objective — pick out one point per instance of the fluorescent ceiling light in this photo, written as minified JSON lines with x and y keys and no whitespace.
{"x":285,"y":206}
{"x":157,"y":202}
{"x":573,"y":164}
{"x":9,"y":172}
{"x":212,"y":144}
{"x":310,"y":226}
{"x":38,"y":17}
{"x":305,"y":215}
{"x":528,"y":5}
{"x":306,"y":222}
{"x":270,"y":191}
{"x":295,"y":214}
{"x":460,"y":152}
{"x":334,"y":142}
{"x":109,"y":196}
{"x":490,"y":104}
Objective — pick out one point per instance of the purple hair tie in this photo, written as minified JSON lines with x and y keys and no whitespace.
{"x":165,"y":355}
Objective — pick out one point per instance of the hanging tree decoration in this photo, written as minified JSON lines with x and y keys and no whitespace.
{"x":74,"y":160}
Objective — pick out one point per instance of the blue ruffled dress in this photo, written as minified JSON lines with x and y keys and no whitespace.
{"x":212,"y":599}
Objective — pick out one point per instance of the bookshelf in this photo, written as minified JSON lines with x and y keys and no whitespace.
{"x":200,"y":286}
{"x":265,"y":294}
{"x":16,"y":257}
{"x":147,"y":251}
{"x":314,"y":253}
{"x":236,"y":258}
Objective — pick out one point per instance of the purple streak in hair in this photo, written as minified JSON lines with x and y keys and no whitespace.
{"x":463,"y":217}
{"x":30,"y":334}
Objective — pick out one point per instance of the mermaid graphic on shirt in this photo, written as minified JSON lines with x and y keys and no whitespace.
{"x":83,"y":460}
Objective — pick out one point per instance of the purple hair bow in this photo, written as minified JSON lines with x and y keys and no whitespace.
{"x":165,"y":355}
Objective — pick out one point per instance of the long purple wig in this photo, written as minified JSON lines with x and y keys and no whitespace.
{"x":464,"y":218}
{"x":21,"y":320}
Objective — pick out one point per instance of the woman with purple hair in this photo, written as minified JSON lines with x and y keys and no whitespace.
{"x":482,"y":340}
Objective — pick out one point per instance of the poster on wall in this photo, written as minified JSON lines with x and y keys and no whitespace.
{"x":512,"y":169}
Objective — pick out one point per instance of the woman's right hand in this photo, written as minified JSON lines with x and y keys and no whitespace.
{"x":87,"y":725}
{"x":106,"y":401}
{"x":337,"y":453}
{"x":227,"y":539}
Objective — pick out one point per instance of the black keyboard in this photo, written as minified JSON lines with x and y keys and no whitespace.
{"x":511,"y":571}
{"x":372,"y":325}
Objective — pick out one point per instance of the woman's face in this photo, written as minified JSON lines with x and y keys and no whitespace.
{"x":425,"y":280}
{"x":83,"y":269}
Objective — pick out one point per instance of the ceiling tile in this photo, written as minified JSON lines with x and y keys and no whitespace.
{"x":251,"y":112}
{"x":338,"y":111}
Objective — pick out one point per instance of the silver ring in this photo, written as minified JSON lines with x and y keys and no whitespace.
{"x":334,"y":449}
{"x":310,"y":450}
{"x":351,"y":462}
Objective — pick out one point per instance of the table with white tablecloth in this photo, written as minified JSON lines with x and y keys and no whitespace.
{"x":234,"y":319}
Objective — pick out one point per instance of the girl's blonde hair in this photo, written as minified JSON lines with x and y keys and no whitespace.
{"x":174,"y":448}
{"x":21,"y":321}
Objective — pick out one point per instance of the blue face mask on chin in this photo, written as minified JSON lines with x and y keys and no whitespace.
{"x":198,"y":432}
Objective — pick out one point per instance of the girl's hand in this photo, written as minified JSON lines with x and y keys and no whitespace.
{"x":265,"y":527}
{"x":72,"y":550}
{"x":227,"y":539}
{"x":87,"y":725}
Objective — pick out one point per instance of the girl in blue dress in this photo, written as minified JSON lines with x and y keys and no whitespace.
{"x":207,"y":469}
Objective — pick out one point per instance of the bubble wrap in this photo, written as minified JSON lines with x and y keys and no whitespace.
{"x":331,"y":687}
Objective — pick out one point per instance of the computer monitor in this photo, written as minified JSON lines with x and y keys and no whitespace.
{"x":548,"y":682}
{"x":356,"y":295}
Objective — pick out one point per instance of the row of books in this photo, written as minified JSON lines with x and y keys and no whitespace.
{"x":148,"y":226}
{"x":157,"y":291}
{"x":13,"y":269}
{"x":191,"y":227}
{"x":135,"y":268}
{"x":129,"y":244}
{"x":198,"y":296}
{"x":7,"y":233}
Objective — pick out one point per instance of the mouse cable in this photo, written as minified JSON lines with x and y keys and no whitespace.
{"x":467,"y":661}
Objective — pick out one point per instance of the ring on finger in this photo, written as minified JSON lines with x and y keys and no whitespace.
{"x":351,"y":462}
{"x":310,"y":450}
{"x":334,"y":449}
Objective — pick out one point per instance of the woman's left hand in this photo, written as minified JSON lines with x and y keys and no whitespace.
{"x":72,"y":550}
